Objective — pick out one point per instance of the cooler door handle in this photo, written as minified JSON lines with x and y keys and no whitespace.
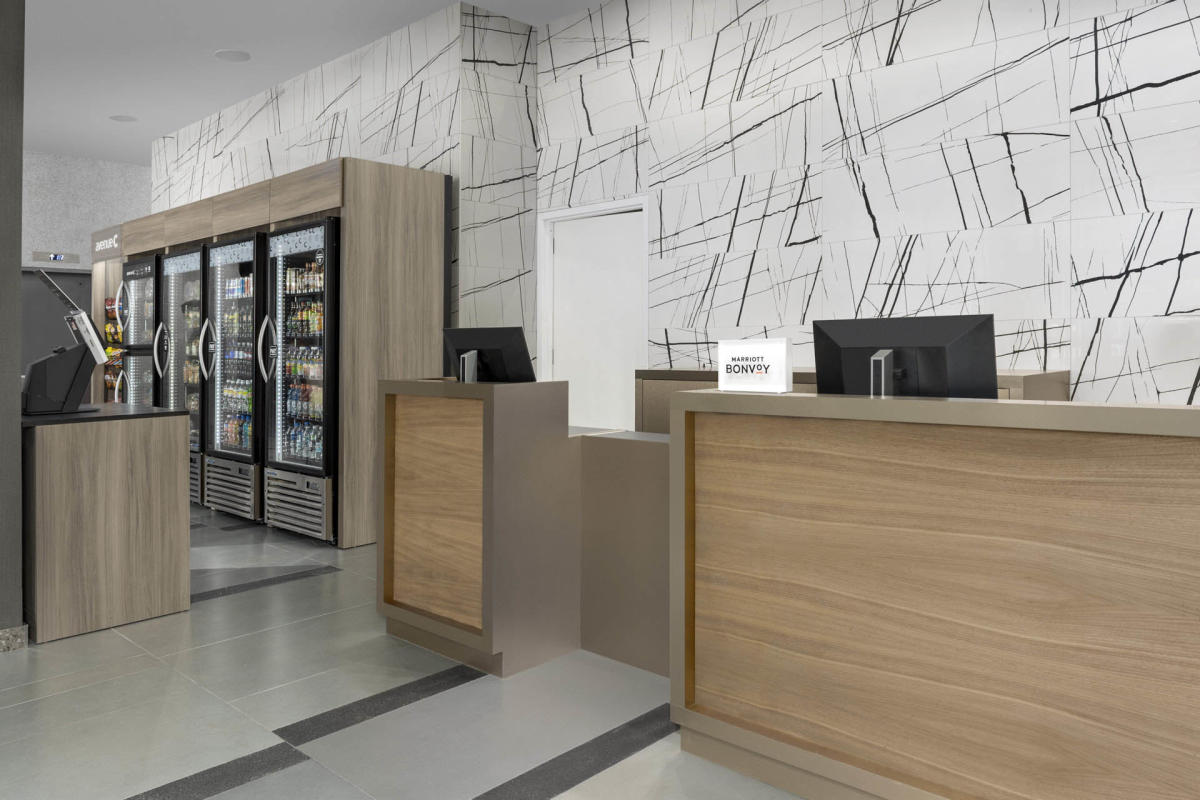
{"x":123,"y":289}
{"x":203,"y":353}
{"x":117,"y":386}
{"x":158,"y":337}
{"x":262,"y":332}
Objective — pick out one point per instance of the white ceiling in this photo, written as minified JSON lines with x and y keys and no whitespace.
{"x":86,"y":60}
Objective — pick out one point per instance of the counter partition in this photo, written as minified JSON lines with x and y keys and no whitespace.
{"x":919,"y":598}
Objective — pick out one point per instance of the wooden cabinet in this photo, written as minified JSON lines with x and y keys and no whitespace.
{"x":242,"y":209}
{"x":306,"y":191}
{"x":144,"y":234}
{"x":188,"y":223}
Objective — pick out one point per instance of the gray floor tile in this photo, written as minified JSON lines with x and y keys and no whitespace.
{"x":240,"y":614}
{"x":465,"y":741}
{"x":64,"y":657}
{"x":385,"y":665}
{"x":43,"y":715}
{"x":207,"y":580}
{"x":307,"y":781}
{"x":26,"y":692}
{"x":240,"y":667}
{"x":115,"y":755}
{"x":663,"y":772}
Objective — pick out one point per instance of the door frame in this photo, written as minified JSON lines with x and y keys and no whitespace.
{"x":546,"y":221}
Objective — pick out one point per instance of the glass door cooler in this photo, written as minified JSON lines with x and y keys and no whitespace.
{"x":297,"y":358}
{"x":136,"y":316}
{"x":176,"y":349}
{"x":234,"y":306}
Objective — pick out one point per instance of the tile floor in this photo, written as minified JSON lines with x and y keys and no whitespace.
{"x":189,"y":706}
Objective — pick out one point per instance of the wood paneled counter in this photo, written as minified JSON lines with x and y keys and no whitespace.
{"x":916,"y":598}
{"x":105,"y":518}
{"x":479,"y":557}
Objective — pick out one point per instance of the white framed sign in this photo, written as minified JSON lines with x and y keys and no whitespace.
{"x":754,"y":365}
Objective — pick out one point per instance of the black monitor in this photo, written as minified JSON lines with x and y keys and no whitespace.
{"x":930,"y":356}
{"x":56,"y":383}
{"x":500,"y":354}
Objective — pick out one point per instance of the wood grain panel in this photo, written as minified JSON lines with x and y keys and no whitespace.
{"x":109,"y":551}
{"x":189,"y":223}
{"x":306,"y":191}
{"x":437,"y":506}
{"x":985,"y":613}
{"x":393,"y":259}
{"x":143,"y":235}
{"x":241,"y":209}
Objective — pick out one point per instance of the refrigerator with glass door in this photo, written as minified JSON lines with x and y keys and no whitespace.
{"x":297,"y":351}
{"x":234,"y":307}
{"x":176,"y":349}
{"x":136,"y":318}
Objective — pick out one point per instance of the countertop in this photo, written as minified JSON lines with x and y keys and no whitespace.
{"x":108,"y":412}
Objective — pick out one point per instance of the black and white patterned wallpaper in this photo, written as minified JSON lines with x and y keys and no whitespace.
{"x":1034,"y":159}
{"x":455,"y":93}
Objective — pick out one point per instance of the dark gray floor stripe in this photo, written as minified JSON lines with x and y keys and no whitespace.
{"x":307,"y":730}
{"x":227,"y":776}
{"x":258,"y":584}
{"x":237,"y":526}
{"x":575,"y":766}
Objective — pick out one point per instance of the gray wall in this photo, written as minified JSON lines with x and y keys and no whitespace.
{"x":65,"y":199}
{"x":42,"y":325}
{"x":12,"y":90}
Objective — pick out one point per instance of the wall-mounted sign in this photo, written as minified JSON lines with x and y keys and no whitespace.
{"x":46,"y":257}
{"x":106,"y":244}
{"x":754,"y":365}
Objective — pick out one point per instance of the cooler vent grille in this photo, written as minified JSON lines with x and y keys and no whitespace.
{"x":298,"y":503}
{"x":231,"y":487}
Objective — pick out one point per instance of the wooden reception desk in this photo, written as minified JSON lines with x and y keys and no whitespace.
{"x":916,"y":598}
{"x":480,"y":553}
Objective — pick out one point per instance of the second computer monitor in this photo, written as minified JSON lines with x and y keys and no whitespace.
{"x":501,"y":355}
{"x":930,"y":356}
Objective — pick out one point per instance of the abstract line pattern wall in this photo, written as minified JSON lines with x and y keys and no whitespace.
{"x":838,"y":158}
{"x":454,"y":93}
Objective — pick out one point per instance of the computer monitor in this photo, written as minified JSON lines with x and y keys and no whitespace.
{"x":930,"y":356}
{"x":495,"y":355}
{"x":56,"y":383}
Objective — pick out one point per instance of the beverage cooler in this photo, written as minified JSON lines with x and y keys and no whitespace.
{"x":136,"y":317}
{"x":297,"y":358}
{"x":176,"y":349}
{"x":234,"y":305}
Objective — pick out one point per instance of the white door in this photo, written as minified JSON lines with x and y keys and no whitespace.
{"x":600,"y":315}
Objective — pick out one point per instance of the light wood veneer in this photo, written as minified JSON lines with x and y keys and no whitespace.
{"x":306,"y":191}
{"x":985,"y":613}
{"x":242,"y":209}
{"x":189,"y":223}
{"x":144,"y":234}
{"x":106,"y":524}
{"x":437,"y":511}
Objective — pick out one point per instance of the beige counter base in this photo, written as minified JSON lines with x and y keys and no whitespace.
{"x":821,"y":779}
{"x":465,"y":654}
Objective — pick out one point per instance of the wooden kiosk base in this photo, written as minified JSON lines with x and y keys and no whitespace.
{"x":480,"y":553}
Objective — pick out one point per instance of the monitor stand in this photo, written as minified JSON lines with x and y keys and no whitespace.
{"x":468,"y":367}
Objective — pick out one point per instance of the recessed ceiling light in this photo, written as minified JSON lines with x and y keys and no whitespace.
{"x":232,"y":55}
{"x":122,"y":118}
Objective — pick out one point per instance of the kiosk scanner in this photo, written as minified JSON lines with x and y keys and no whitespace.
{"x":55,"y":383}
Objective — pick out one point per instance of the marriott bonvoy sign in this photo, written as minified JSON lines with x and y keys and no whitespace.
{"x":754,"y":365}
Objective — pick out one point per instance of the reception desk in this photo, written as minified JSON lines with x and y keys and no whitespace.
{"x":106,"y":530}
{"x":480,"y":553}
{"x":653,"y":389}
{"x":918,"y":598}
